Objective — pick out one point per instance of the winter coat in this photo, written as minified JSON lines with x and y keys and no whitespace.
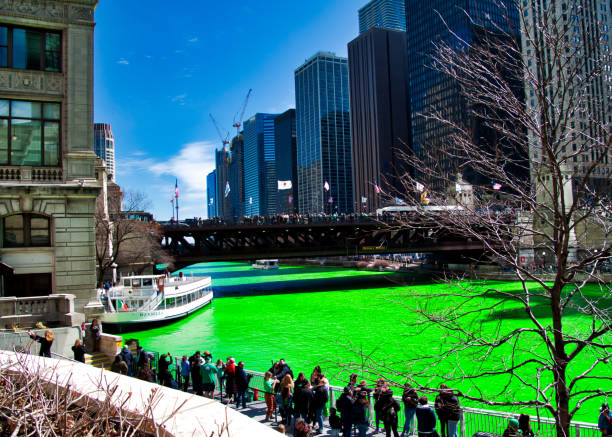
{"x":426,"y":418}
{"x":242,"y":380}
{"x":302,"y":399}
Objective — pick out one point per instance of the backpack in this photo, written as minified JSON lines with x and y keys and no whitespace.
{"x":389,"y":415}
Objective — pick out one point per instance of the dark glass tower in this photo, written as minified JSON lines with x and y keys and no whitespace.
{"x":260,"y":183}
{"x":380,"y":114}
{"x":323,"y":135}
{"x":462,"y":22}
{"x":236,"y":177}
{"x":222,"y":159}
{"x":382,"y":13}
{"x":286,"y":161}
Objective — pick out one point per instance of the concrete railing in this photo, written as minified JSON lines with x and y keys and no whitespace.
{"x":63,"y":340}
{"x":55,"y":309}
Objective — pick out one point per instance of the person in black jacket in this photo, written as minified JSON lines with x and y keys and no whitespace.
{"x":451,"y":409}
{"x":319,"y":399}
{"x":45,"y":342}
{"x":279,"y":370}
{"x":302,"y":399}
{"x":242,"y":385}
{"x":79,"y":350}
{"x":345,"y":405}
{"x":410,"y":399}
{"x":196,"y":378}
{"x":426,"y":418}
{"x":126,"y":355}
{"x":388,"y":409}
{"x":441,"y":410}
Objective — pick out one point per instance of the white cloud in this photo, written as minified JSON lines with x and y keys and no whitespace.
{"x":192,"y":40}
{"x":180,"y":99}
{"x":123,"y":61}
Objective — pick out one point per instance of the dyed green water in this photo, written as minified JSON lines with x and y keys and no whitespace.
{"x":323,"y":327}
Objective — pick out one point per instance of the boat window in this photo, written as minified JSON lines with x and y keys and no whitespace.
{"x":135,"y":283}
{"x":126,"y":283}
{"x":169,"y":302}
{"x":147,"y":282}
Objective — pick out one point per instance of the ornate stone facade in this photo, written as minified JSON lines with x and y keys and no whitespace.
{"x":66,"y":193}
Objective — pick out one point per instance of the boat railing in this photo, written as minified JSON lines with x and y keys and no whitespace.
{"x":152,"y":304}
{"x":131,"y":292}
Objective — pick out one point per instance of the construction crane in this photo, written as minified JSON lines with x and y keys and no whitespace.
{"x":224,"y":139}
{"x":238,"y":121}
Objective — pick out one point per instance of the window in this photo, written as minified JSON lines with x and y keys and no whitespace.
{"x":30,"y":49}
{"x":25,"y":230}
{"x":29,"y":133}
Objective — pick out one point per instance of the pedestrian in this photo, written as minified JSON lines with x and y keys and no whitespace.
{"x":281,"y":428}
{"x":269,"y":384}
{"x":45,"y":342}
{"x":302,"y":398}
{"x":196,"y":378}
{"x":230,"y":379}
{"x":145,"y":372}
{"x":345,"y":405}
{"x":441,"y":410}
{"x":512,"y":429}
{"x":380,"y":387}
{"x":126,"y":355}
{"x":452,"y":411}
{"x":285,"y":399}
{"x":208,"y":373}
{"x":119,"y":366}
{"x":319,"y":400}
{"x":79,"y":350}
{"x":410,"y":399}
{"x":185,"y":372}
{"x":242,"y":385}
{"x":360,"y":413}
{"x":280,"y":369}
{"x":389,"y":412}
{"x":525,"y":426}
{"x":426,"y":419}
{"x":301,"y":428}
{"x":95,"y":332}
{"x":163,"y":370}
{"x":315,"y":375}
{"x":604,"y":423}
{"x":335,"y":424}
{"x":221,"y":375}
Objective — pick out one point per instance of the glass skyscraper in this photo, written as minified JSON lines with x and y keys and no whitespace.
{"x":323,"y":135}
{"x":260,"y":183}
{"x":461,"y":22}
{"x":286,"y":159}
{"x":389,"y":14}
{"x":236,"y":177}
{"x":211,"y":194}
{"x":222,"y":160}
{"x":104,"y":146}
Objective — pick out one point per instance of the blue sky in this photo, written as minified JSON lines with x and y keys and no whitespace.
{"x":160,"y":70}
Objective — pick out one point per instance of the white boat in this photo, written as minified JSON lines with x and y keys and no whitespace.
{"x":140,"y":302}
{"x":266,"y":264}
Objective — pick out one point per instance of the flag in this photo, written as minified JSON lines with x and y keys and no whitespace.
{"x":176,"y":188}
{"x":227,"y":189}
{"x":399,"y":201}
{"x":285,"y":185}
{"x":330,"y":200}
{"x":420,"y":187}
{"x":458,"y":188}
{"x":364,"y":200}
{"x":121,"y":305}
{"x":212,"y":200}
{"x":376,"y":188}
{"x":250,"y":200}
{"x":326,"y":186}
{"x":497,"y":186}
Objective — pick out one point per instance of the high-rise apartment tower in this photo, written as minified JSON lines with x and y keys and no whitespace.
{"x":389,"y":14}
{"x":104,"y":146}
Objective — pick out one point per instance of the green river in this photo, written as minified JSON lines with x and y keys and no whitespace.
{"x":332,"y":316}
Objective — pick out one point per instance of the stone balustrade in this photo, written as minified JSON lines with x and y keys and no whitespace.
{"x":52,"y":310}
{"x":37,"y":175}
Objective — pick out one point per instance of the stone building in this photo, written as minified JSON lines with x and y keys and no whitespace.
{"x":48,"y":183}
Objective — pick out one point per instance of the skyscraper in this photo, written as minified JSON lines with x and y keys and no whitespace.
{"x":447,"y":21}
{"x":211,"y":194}
{"x":286,"y":161}
{"x":380,"y":115}
{"x":323,"y":135}
{"x":389,"y":14}
{"x":222,"y":161}
{"x":104,"y":146}
{"x":260,"y":183}
{"x":236,"y":177}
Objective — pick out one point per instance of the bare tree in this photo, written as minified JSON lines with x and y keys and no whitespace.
{"x":124,"y":241}
{"x":534,"y":142}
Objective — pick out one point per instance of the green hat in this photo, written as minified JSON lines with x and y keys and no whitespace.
{"x":513,"y":422}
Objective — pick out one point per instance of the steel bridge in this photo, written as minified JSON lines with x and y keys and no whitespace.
{"x":249,"y":241}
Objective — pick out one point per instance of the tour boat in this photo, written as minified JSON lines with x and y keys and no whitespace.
{"x":140,"y":302}
{"x":266,"y":264}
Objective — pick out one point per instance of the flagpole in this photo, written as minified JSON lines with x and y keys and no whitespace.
{"x":177,"y":209}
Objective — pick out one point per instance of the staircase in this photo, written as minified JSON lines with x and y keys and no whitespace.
{"x":98,"y":359}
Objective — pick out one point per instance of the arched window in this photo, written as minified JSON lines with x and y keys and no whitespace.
{"x":26,"y":230}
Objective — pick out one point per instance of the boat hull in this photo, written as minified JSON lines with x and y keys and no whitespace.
{"x":118,"y":322}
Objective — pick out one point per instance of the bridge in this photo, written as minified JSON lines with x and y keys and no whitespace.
{"x":319,"y":238}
